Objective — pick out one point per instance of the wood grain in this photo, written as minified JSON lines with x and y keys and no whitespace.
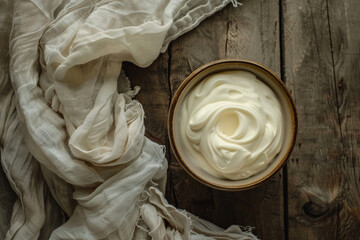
{"x":344,"y":22}
{"x":323,"y":197}
{"x":155,"y":98}
{"x":248,"y":32}
{"x":154,"y":95}
{"x":315,"y":46}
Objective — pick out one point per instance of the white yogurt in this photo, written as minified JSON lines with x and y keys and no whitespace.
{"x":231,"y":125}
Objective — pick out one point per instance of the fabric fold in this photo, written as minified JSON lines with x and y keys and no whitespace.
{"x":72,"y":135}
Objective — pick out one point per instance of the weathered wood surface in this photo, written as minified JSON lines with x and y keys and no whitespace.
{"x":314,"y":45}
{"x":250,"y":32}
{"x":321,"y":43}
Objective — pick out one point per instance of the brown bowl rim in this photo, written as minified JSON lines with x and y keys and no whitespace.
{"x":171,"y":135}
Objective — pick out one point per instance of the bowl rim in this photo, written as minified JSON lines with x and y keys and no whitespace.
{"x":170,"y":128}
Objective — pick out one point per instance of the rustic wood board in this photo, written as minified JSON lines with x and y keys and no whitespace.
{"x":314,"y":45}
{"x":321,"y":45}
{"x":248,"y":32}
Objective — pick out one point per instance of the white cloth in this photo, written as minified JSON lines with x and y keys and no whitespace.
{"x":64,"y":127}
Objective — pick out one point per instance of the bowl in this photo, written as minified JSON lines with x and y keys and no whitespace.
{"x":289,"y":115}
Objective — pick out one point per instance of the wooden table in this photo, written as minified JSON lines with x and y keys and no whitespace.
{"x":314,"y":45}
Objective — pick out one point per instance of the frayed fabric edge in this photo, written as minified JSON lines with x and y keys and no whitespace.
{"x":197,"y":21}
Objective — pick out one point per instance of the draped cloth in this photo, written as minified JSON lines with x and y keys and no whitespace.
{"x":69,"y":128}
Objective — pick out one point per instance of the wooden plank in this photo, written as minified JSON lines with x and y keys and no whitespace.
{"x":248,"y":32}
{"x":323,"y":196}
{"x":154,"y":95}
{"x":344,"y":22}
{"x":155,"y":98}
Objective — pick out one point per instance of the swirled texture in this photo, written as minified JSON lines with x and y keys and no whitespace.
{"x":232,"y":124}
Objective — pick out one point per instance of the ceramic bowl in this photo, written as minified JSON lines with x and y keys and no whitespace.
{"x":289,"y":111}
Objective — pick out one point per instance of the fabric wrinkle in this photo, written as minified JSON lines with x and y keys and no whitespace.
{"x":72,"y":137}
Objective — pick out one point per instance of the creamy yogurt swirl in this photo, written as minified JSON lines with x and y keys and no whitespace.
{"x":231,"y":125}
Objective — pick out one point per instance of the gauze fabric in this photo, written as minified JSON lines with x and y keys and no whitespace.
{"x":65,"y":129}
